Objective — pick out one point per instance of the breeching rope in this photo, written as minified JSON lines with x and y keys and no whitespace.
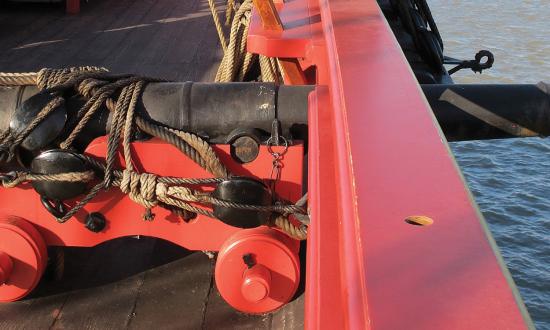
{"x":237,"y":62}
{"x":120,"y":94}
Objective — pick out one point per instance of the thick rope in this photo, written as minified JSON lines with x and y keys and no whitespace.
{"x":268,"y":69}
{"x":218,"y":24}
{"x":17,"y":79}
{"x":237,"y":61}
{"x":20,"y":177}
{"x":48,"y":78}
{"x":283,"y":223}
{"x":229,"y":10}
{"x":230,"y":64}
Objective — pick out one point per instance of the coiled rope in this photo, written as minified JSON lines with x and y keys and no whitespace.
{"x":146,"y":189}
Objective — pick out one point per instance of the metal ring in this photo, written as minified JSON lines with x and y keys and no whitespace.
{"x":4,"y":154}
{"x":8,"y":177}
{"x":56,"y":208}
{"x":270,"y":144}
{"x":485,"y":54}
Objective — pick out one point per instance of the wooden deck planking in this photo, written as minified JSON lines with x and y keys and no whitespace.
{"x":138,"y":37}
{"x":126,"y":283}
{"x":109,"y":299}
{"x":101,"y":45}
{"x":31,"y":21}
{"x":167,"y":39}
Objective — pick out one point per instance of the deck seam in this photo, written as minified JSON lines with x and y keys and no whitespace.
{"x":58,"y":315}
{"x":132,"y":315}
{"x":207,"y":298}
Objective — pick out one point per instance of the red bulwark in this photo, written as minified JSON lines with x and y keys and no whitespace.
{"x":296,"y":38}
{"x":377,"y":156}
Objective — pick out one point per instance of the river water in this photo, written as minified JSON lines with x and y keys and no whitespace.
{"x":510,"y":179}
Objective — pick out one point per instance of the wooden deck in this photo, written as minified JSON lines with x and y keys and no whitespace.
{"x":127,"y":283}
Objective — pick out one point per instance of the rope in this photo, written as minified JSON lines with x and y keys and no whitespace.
{"x":218,"y":24}
{"x":20,"y":177}
{"x":146,"y":189}
{"x":229,"y":10}
{"x":17,"y":79}
{"x":237,"y":62}
{"x":269,"y":69}
{"x":48,"y":78}
{"x":283,"y":223}
{"x":228,"y":66}
{"x":10,"y":141}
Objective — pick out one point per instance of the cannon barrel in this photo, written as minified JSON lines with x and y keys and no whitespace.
{"x":215,"y":110}
{"x":478,"y":112}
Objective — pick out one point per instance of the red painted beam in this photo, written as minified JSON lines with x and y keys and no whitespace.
{"x":73,"y":6}
{"x":377,"y":156}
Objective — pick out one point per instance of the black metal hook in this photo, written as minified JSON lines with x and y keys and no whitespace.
{"x":476,"y":64}
{"x":56,"y":208}
{"x":7,"y":177}
{"x":480,"y":66}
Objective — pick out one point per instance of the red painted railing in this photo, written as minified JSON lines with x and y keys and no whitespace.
{"x":376,"y":157}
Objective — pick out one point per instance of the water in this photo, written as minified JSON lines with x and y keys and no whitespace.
{"x":510,"y":179}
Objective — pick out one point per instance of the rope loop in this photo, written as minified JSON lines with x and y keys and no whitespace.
{"x":140,"y":187}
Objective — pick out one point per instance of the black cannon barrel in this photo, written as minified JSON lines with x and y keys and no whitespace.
{"x":215,"y":110}
{"x":477,"y":112}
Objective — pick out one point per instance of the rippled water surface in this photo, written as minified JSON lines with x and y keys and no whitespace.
{"x":509,"y":178}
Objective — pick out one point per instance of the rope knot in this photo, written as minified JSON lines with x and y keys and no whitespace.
{"x":141,"y":188}
{"x":48,"y":78}
{"x":161,"y":190}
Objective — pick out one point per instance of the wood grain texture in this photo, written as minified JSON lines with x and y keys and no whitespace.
{"x":269,"y":15}
{"x":292,"y":72}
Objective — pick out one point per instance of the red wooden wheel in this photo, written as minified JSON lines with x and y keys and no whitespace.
{"x":23,"y":258}
{"x":258,"y":270}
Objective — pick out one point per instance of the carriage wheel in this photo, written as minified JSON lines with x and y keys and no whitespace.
{"x":257,"y":270}
{"x":23,"y":258}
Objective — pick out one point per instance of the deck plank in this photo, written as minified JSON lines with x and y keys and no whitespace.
{"x":219,"y":315}
{"x":52,"y":42}
{"x":110,"y":286}
{"x":31,"y":19}
{"x":92,"y":46}
{"x":174,"y":295}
